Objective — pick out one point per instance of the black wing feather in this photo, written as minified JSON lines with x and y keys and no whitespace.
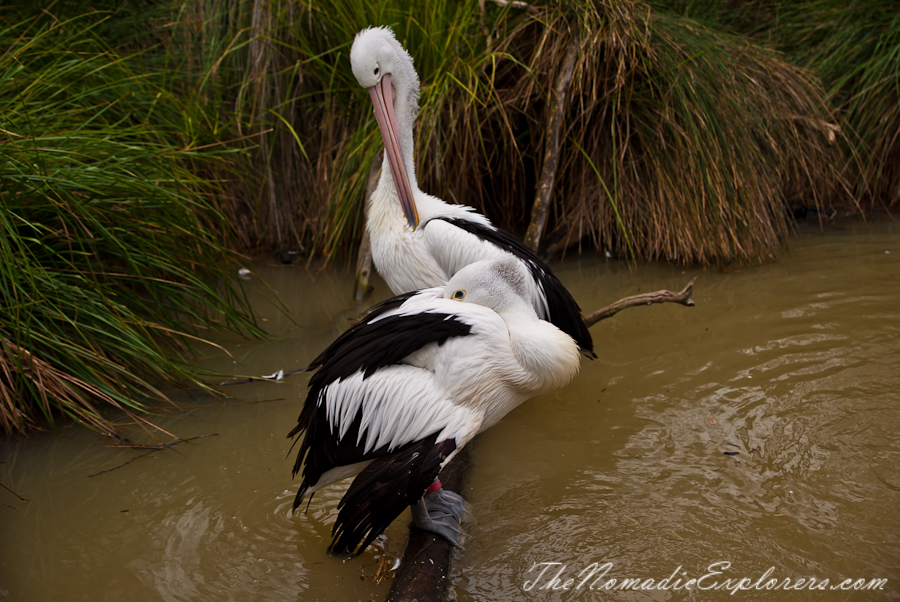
{"x":371,"y":314}
{"x":384,"y":489}
{"x":563,"y":310}
{"x":371,"y":344}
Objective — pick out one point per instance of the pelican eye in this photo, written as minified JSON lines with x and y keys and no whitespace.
{"x":459,"y":295}
{"x":376,"y":69}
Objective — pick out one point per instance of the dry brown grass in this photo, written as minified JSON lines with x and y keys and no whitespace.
{"x":683,"y":143}
{"x":50,"y":389}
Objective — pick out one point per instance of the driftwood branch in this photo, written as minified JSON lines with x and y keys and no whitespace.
{"x":683,"y":297}
{"x":551,"y":148}
{"x":362,"y":287}
{"x":423,"y":573}
{"x":364,"y":258}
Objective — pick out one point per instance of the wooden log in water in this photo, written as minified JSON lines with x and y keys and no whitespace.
{"x":423,"y":575}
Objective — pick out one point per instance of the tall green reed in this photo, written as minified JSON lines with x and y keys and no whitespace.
{"x":113,"y":249}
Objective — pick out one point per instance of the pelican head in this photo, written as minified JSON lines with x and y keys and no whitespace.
{"x":385,"y":69}
{"x":500,"y":284}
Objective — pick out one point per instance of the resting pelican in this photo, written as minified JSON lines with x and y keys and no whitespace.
{"x":397,"y":395}
{"x":418,"y":240}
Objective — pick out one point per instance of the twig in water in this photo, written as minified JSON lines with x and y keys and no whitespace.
{"x":14,"y":493}
{"x":241,"y":403}
{"x":152,"y":449}
{"x":8,"y":506}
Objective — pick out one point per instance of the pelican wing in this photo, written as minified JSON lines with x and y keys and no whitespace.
{"x":397,"y":429}
{"x":364,"y":401}
{"x":391,"y":331}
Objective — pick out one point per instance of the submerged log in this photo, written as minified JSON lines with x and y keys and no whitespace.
{"x":551,"y":149}
{"x":423,"y":575}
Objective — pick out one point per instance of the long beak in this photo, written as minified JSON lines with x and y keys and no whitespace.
{"x":383,"y":99}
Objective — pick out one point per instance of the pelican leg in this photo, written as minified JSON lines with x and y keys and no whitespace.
{"x":441,"y":512}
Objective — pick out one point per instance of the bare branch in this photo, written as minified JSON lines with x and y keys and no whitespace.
{"x":556,"y":111}
{"x":364,"y":259}
{"x":683,"y":297}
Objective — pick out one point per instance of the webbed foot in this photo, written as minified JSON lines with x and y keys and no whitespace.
{"x":441,"y":512}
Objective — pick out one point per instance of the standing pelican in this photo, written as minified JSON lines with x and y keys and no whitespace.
{"x":397,"y":395}
{"x":417,"y":239}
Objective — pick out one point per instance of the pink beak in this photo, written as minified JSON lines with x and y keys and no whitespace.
{"x":383,"y":100}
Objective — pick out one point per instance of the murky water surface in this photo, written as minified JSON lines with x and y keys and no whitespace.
{"x":792,"y":366}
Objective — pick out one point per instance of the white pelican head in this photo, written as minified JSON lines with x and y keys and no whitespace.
{"x":500,"y":284}
{"x":381,"y":65}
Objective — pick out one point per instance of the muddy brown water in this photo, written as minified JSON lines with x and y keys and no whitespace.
{"x":793,"y":365}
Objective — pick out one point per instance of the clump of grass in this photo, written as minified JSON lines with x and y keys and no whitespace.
{"x":691,"y":143}
{"x":854,"y":48}
{"x":112,"y":247}
{"x":682,"y":142}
